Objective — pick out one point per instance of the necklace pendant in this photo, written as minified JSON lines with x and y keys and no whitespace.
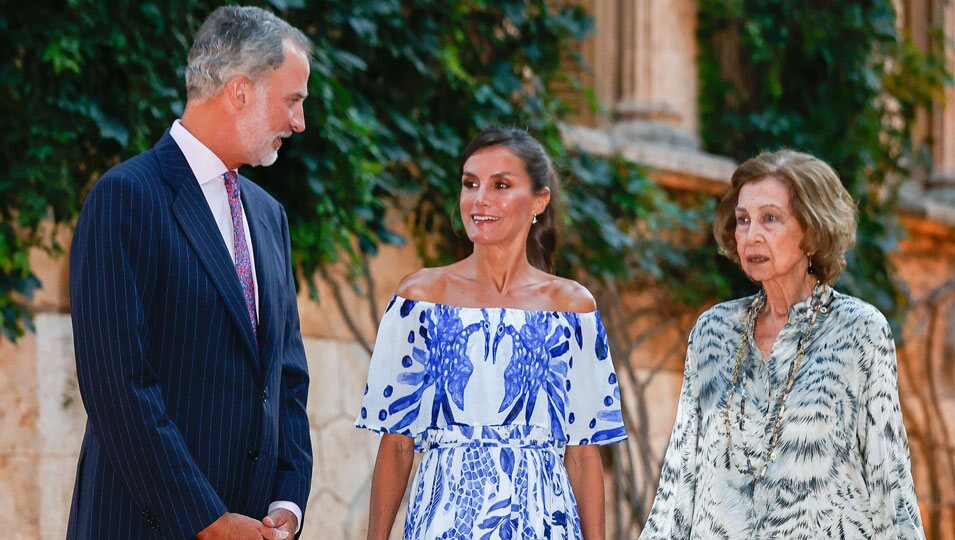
{"x":772,"y":457}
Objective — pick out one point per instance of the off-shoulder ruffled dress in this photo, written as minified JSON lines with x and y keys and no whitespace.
{"x":492,"y":396}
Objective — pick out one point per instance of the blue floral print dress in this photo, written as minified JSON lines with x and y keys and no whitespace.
{"x":492,"y":396}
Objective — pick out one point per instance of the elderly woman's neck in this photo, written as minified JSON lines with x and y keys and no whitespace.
{"x":785,"y":292}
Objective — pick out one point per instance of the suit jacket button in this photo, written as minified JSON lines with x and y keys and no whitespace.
{"x":253,"y":455}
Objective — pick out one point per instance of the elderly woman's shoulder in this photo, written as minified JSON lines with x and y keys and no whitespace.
{"x":850,"y":310}
{"x":725,"y":312}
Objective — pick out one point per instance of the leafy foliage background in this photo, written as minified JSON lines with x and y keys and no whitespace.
{"x":399,"y":86}
{"x":837,"y":80}
{"x":397,"y":89}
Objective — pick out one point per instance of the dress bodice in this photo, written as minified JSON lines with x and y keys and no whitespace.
{"x":438,"y":366}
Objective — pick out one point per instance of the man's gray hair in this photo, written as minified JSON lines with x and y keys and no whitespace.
{"x":238,"y":40}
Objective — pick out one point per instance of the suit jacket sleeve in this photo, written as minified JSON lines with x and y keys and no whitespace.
{"x":294,"y":475}
{"x":113,"y":250}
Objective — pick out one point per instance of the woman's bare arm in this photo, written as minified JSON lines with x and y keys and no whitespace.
{"x":586,"y":472}
{"x":388,"y":483}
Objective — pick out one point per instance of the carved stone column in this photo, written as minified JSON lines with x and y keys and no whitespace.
{"x":643,"y":55}
{"x":654,"y":92}
{"x":942,"y":181}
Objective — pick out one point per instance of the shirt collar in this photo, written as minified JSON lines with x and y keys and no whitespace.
{"x":204,"y":163}
{"x":822,"y":295}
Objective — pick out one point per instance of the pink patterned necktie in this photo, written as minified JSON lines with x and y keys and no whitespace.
{"x":243,"y":263}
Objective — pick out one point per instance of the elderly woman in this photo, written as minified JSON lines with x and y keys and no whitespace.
{"x":789,"y":423}
{"x":497,"y":370}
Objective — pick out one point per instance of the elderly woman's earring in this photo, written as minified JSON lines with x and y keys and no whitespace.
{"x":810,"y":270}
{"x":535,"y":219}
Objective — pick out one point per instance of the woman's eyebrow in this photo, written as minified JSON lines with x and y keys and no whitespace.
{"x":495,"y":175}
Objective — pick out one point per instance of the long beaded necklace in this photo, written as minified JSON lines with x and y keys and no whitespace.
{"x":748,"y":328}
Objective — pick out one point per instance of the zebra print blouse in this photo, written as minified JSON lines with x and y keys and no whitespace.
{"x":842,"y":467}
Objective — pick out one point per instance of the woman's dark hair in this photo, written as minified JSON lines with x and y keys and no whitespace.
{"x":542,"y":241}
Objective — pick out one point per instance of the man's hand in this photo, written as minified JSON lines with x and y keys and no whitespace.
{"x":281,"y":520}
{"x":239,"y":527}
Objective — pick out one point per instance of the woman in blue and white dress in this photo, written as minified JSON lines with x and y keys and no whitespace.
{"x":497,"y":370}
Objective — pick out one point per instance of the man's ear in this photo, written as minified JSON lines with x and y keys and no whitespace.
{"x":238,"y":92}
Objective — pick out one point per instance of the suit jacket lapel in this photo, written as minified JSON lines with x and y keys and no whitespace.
{"x":194,"y":217}
{"x":264,"y":250}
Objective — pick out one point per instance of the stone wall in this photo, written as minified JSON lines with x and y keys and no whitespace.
{"x":926,"y":263}
{"x":42,"y":418}
{"x":42,"y":422}
{"x":644,"y":60}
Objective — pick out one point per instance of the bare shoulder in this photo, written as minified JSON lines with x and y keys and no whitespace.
{"x":424,"y":284}
{"x":568,"y":295}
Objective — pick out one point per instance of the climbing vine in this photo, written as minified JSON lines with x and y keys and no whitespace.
{"x":836,"y":80}
{"x":397,"y":88}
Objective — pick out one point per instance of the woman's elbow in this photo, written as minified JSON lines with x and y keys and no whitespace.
{"x":400,"y":447}
{"x":582,"y":458}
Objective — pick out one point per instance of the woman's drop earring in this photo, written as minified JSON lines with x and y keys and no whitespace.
{"x":535,"y":219}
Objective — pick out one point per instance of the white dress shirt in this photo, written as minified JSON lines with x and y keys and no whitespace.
{"x":209,"y":169}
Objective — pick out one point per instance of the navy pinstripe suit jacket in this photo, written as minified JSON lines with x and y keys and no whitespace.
{"x":190,"y":415}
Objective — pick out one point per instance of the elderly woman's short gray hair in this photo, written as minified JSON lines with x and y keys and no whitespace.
{"x":817,"y":198}
{"x":237,"y":40}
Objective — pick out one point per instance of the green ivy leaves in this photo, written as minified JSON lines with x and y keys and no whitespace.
{"x":397,"y":89}
{"x":835,"y":80}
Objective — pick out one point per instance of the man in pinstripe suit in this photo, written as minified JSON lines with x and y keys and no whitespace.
{"x":188,"y":351}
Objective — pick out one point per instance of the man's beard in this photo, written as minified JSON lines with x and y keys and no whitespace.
{"x":259,"y":147}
